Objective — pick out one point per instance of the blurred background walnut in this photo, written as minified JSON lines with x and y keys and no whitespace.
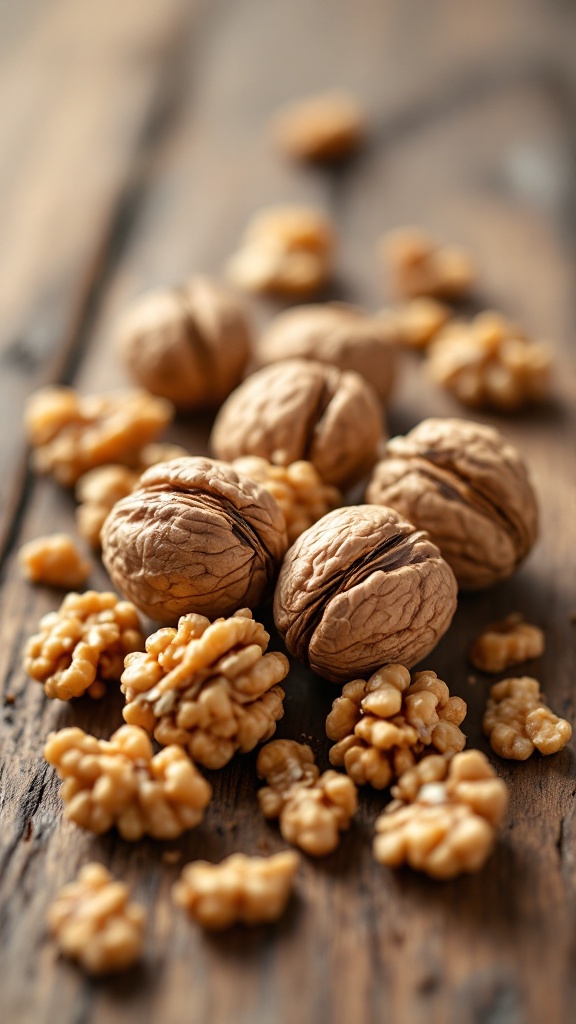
{"x":418,"y":266}
{"x":55,"y":560}
{"x":518,"y":721}
{"x":418,"y":321}
{"x":506,"y":643}
{"x":325,"y":127}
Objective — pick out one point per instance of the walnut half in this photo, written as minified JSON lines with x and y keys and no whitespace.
{"x":518,"y":721}
{"x":506,"y":643}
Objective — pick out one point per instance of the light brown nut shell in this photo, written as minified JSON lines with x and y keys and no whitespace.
{"x":195,"y":536}
{"x":362,"y":588}
{"x":299,"y":409}
{"x":469,"y":488}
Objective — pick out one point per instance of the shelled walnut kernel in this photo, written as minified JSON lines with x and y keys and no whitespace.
{"x":518,"y":721}
{"x":54,"y":560}
{"x":506,"y":643}
{"x":312,"y":808}
{"x":94,"y":923}
{"x":418,"y":266}
{"x":324,"y":127}
{"x":419,"y":321}
{"x":383,"y":725}
{"x":82,"y":646}
{"x":121,"y":783}
{"x":298,"y":489}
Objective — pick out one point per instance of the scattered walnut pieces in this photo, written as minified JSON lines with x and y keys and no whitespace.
{"x":207,"y":686}
{"x":298,"y":488}
{"x":419,"y":321}
{"x":312,"y":808}
{"x":253,"y":890}
{"x":93,"y":922}
{"x":517,"y":720}
{"x":82,"y":646}
{"x":120,"y":782}
{"x":506,"y":643}
{"x":444,"y":818}
{"x":383,"y":725}
{"x":54,"y":560}
{"x":326,"y":127}
{"x":418,"y":266}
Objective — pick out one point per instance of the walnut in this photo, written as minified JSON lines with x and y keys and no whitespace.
{"x":337,"y":334}
{"x":312,"y":808}
{"x":326,"y":127}
{"x":469,"y":489}
{"x":121,"y":783}
{"x":383,"y":725}
{"x":490,"y":363}
{"x":82,"y":646}
{"x":54,"y":560}
{"x":195,"y":536}
{"x":94,"y":923}
{"x":301,"y":409}
{"x":208,"y":686}
{"x":286,"y":250}
{"x":360,"y":589}
{"x":517,"y":720}
{"x":418,"y":321}
{"x":71,"y":433}
{"x":298,"y":489}
{"x":445,"y":817}
{"x":418,"y":266}
{"x":506,"y":643}
{"x":252,"y":890}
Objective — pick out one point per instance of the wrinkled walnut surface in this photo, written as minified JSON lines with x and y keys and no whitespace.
{"x":195,"y":536}
{"x":360,"y":589}
{"x":469,"y":489}
{"x":301,"y":409}
{"x":325,"y":127}
{"x":506,"y":643}
{"x":418,"y":266}
{"x":298,"y":488}
{"x":55,"y":560}
{"x":518,"y":721}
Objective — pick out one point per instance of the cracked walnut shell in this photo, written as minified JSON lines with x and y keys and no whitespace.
{"x":469,"y":489}
{"x":54,"y":560}
{"x":518,"y":721}
{"x":506,"y":643}
{"x":360,"y":589}
{"x":321,"y":128}
{"x":419,"y":267}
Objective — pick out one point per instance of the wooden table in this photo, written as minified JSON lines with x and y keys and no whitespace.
{"x":133,"y":140}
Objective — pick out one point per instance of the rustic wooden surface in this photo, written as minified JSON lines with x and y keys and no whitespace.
{"x":132,"y":150}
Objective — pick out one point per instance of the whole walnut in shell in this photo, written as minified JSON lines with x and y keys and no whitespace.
{"x":189,"y":344}
{"x":195,"y":536}
{"x":469,"y":488}
{"x":299,"y":409}
{"x":360,"y":589}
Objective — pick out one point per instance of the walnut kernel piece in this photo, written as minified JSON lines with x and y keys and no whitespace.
{"x":419,"y":321}
{"x":121,"y":783}
{"x":252,"y":890}
{"x":298,"y":488}
{"x":326,"y":127}
{"x":517,"y":720}
{"x":312,"y":808}
{"x":418,"y":266}
{"x":207,"y":686}
{"x":82,"y":646}
{"x":383,"y":725}
{"x":55,"y":561}
{"x":444,"y":818}
{"x":94,"y":923}
{"x":506,"y":643}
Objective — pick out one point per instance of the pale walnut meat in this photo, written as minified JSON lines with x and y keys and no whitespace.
{"x":195,"y":536}
{"x":445,"y":817}
{"x":120,"y":783}
{"x":518,"y":721}
{"x":360,"y":589}
{"x":71,"y":433}
{"x":334,"y":333}
{"x":210,"y":687}
{"x":326,"y":127}
{"x":469,"y":489}
{"x":189,"y":344}
{"x":300,"y":409}
{"x":506,"y":643}
{"x":55,"y":560}
{"x":384,"y":725}
{"x":418,"y":321}
{"x":249,"y":890}
{"x":418,"y":266}
{"x":312,"y":809}
{"x":93,"y":922}
{"x":81,"y":647}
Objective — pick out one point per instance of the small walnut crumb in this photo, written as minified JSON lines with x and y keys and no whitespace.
{"x":506,"y":643}
{"x":383,"y":725}
{"x":72,"y":433}
{"x":418,"y":321}
{"x":207,"y":686}
{"x":171,"y":856}
{"x":93,"y":922}
{"x":444,"y":817}
{"x":119,"y":782}
{"x":325,"y":127}
{"x":490,"y":363}
{"x":286,"y":250}
{"x":313,"y":809}
{"x":253,"y":890}
{"x":418,"y":266}
{"x":82,"y":646}
{"x":10,"y":698}
{"x":298,"y":489}
{"x":55,"y":561}
{"x":517,"y":720}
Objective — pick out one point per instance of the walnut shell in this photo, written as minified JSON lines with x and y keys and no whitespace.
{"x":195,"y":536}
{"x":299,"y":409}
{"x":189,"y":344}
{"x":335,"y":333}
{"x":362,"y":588}
{"x":469,"y":488}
